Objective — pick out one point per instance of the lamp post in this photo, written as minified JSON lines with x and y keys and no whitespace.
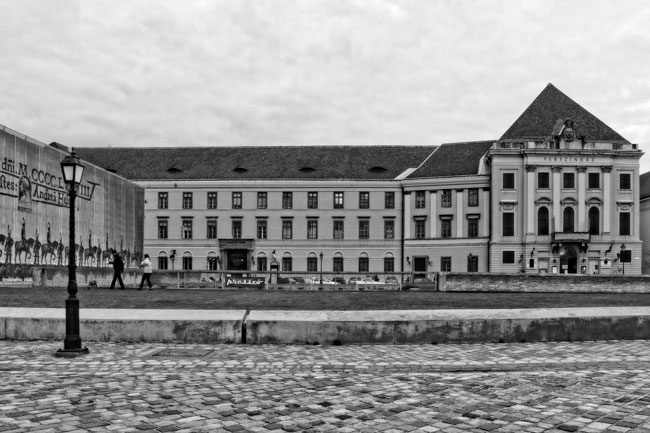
{"x":72,"y":171}
{"x":623,"y":257}
{"x":321,"y":271}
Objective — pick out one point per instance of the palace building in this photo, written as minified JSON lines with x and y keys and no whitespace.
{"x":557,"y":193}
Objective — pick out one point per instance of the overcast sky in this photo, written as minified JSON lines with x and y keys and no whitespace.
{"x":301,"y":72}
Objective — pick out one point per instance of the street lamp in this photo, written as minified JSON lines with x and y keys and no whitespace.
{"x":72,"y":171}
{"x":623,"y":256}
{"x":321,"y":271}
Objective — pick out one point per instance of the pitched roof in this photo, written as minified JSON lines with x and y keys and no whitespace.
{"x":541,"y":116}
{"x":454,"y":159}
{"x":246,"y":163}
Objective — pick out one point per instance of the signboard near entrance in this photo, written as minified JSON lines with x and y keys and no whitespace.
{"x":251,"y":283}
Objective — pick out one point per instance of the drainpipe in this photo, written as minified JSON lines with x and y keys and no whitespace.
{"x":402,"y":237}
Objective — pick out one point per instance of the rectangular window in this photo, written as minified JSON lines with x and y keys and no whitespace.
{"x":262,"y":229}
{"x":337,"y":264}
{"x":389,"y":229}
{"x":162,"y":229}
{"x":312,"y":200}
{"x":625,"y":181}
{"x":389,"y":264}
{"x":236,"y":200}
{"x":261,"y":263}
{"x":187,"y":200}
{"x":338,"y":229}
{"x":624,"y":224}
{"x":594,"y":180}
{"x":508,"y":181}
{"x":163,"y":200}
{"x":445,"y":198}
{"x":472,"y":263}
{"x":445,"y":264}
{"x":364,"y":229}
{"x":287,"y":264}
{"x":508,"y":223}
{"x":187,"y":229}
{"x":212,"y":228}
{"x":287,"y":229}
{"x":389,"y":200}
{"x":568,"y":180}
{"x":420,"y":200}
{"x":364,"y":264}
{"x":262,"y":200}
{"x":364,"y":200}
{"x":472,"y":228}
{"x":187,"y":263}
{"x":212,"y":200}
{"x":287,"y":200}
{"x":508,"y":257}
{"x":445,"y":228}
{"x":312,"y":264}
{"x":543,"y":180}
{"x":472,"y":197}
{"x":212,"y":263}
{"x":312,"y":228}
{"x":338,"y":200}
{"x":420,"y":228}
{"x":162,"y":262}
{"x":236,"y":229}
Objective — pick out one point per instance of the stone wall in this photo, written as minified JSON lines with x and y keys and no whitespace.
{"x":484,"y":282}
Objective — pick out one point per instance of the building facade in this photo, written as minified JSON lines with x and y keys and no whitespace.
{"x":557,"y":193}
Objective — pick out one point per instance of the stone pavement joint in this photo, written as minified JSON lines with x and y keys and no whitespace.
{"x":535,"y":387}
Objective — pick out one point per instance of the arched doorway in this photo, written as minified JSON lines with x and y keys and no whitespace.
{"x":568,"y":261}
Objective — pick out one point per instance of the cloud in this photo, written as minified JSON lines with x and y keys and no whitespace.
{"x":168,"y":73}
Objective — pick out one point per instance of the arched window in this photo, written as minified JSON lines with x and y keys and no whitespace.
{"x":337,"y":264}
{"x":187,"y":261}
{"x":542,"y":221}
{"x":212,"y":261}
{"x":568,"y":220}
{"x":364,"y":263}
{"x":594,"y":221}
{"x":261,"y":262}
{"x":312,"y":262}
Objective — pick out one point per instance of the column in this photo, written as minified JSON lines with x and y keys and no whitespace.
{"x":530,"y":199}
{"x":557,"y":207}
{"x":607,"y":199}
{"x":486,"y":213}
{"x":582,"y":193}
{"x":433,"y":214}
{"x":459,"y":213}
{"x":407,"y":216}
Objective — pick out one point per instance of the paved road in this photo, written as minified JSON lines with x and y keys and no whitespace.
{"x":586,"y":387}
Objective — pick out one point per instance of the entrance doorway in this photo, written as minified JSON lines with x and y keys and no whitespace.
{"x":569,"y":261}
{"x":419,"y":267}
{"x":237,"y":260}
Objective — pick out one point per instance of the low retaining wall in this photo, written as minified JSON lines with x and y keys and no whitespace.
{"x":489,"y":282}
{"x":117,"y":325}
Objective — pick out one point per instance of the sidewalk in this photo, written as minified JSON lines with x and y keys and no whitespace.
{"x":536,"y":387}
{"x":332,"y":327}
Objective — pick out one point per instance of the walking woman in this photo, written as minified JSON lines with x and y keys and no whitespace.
{"x":148,"y":270}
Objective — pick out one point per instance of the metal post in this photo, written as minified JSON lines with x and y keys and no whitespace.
{"x":321,"y":272}
{"x":72,"y":342}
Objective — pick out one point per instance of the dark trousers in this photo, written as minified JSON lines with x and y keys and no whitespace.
{"x":147,"y":277}
{"x":117,"y":276}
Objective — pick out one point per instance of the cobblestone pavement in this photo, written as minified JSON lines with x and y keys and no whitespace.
{"x":534,"y":387}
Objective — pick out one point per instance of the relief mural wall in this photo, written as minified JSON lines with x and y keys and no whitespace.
{"x":34,"y":210}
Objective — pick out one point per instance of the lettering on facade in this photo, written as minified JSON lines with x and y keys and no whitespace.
{"x":29,"y":185}
{"x":570,"y":159}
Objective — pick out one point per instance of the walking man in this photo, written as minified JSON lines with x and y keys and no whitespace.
{"x":118,"y":268}
{"x":148,"y":270}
